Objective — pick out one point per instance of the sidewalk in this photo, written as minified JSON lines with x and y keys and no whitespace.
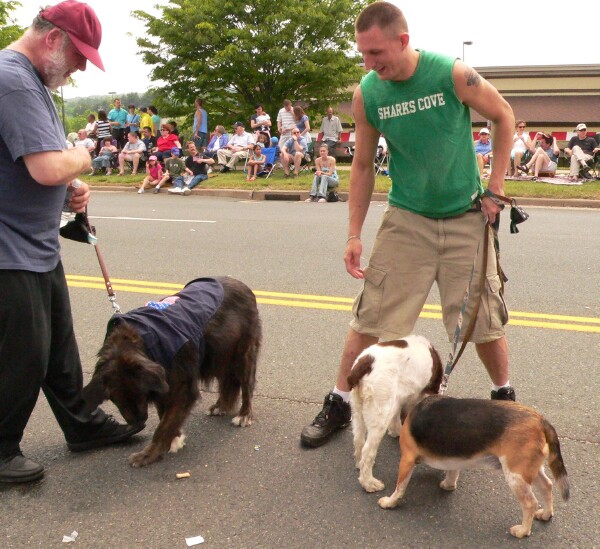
{"x":299,"y":195}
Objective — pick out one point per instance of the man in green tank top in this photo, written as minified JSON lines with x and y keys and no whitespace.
{"x":431,"y":230}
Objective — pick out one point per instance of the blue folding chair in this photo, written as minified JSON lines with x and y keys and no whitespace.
{"x":271,"y":160}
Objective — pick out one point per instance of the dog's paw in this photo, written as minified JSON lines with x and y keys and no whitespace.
{"x":143,"y":458}
{"x":542,"y":514}
{"x":448,"y":486}
{"x":372,"y":484}
{"x":177,"y":444}
{"x":214,"y":410}
{"x":520,"y":531}
{"x":242,"y":421}
{"x":387,"y":502}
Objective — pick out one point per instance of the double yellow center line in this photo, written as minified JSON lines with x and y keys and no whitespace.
{"x":307,"y":301}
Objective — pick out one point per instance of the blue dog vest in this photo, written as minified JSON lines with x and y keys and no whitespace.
{"x":166,"y":325}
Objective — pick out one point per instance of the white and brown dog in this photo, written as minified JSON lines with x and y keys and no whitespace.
{"x":388,"y":378}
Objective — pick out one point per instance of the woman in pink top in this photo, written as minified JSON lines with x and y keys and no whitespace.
{"x":154,"y":174}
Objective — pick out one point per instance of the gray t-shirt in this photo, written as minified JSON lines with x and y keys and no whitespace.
{"x":29,"y":212}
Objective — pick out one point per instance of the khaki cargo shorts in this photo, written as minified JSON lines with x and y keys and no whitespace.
{"x":410,"y":253}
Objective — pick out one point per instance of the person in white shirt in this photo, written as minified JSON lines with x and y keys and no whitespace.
{"x":238,"y":148}
{"x":285,"y":121}
{"x":331,"y":128}
{"x":84,"y":141}
{"x":132,"y":151}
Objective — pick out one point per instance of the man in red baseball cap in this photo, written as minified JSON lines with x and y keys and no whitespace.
{"x":80,"y":23}
{"x":36,"y":169}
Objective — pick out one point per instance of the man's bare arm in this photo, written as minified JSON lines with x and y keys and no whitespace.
{"x":362,"y":182}
{"x":57,"y":167}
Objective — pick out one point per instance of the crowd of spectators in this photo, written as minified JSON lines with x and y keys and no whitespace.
{"x":140,"y":138}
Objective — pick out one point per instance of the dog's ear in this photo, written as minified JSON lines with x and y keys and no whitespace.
{"x":152,"y":377}
{"x":94,"y":393}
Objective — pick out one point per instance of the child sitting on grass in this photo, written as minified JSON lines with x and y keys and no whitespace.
{"x":154,"y":174}
{"x":256,"y":163}
{"x":174,"y":167}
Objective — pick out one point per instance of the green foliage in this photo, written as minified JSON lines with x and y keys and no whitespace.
{"x":236,"y":54}
{"x":9,"y":31}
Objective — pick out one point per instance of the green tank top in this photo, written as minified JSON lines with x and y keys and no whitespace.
{"x":428,"y":132}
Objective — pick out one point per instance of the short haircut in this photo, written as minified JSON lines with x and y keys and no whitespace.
{"x":287,"y":102}
{"x":132,"y":106}
{"x":147,"y":128}
{"x":384,"y":15}
{"x":220,"y":129}
{"x":190,"y":143}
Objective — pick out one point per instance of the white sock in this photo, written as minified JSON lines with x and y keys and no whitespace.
{"x":344,"y":394}
{"x":498,"y":387}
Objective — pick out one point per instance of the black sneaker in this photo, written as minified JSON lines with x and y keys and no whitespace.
{"x":225,"y":169}
{"x":504,"y":393}
{"x":110,"y":433}
{"x":585,"y":173}
{"x":335,"y":415}
{"x":19,"y":469}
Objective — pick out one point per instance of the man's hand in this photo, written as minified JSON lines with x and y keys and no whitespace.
{"x":352,"y":258}
{"x":80,"y":196}
{"x":489,"y":209}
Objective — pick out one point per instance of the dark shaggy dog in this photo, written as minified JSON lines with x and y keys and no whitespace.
{"x":132,"y":375}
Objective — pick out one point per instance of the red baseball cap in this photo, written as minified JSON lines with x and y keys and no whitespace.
{"x":80,"y":22}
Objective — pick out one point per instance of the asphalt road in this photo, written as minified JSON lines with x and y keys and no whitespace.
{"x":256,"y":487}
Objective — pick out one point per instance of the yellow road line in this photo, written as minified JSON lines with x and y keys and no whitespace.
{"x":319,"y":302}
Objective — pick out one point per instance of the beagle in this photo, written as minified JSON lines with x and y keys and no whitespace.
{"x":453,"y":434}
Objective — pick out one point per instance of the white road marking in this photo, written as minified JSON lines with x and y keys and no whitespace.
{"x":152,"y":219}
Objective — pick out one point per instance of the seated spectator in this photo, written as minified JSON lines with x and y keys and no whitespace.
{"x":102,"y":129}
{"x":581,"y":149}
{"x":148,"y":139}
{"x":293,"y":152}
{"x":260,"y":121}
{"x":84,"y":141}
{"x":285,"y":121}
{"x":105,"y":155}
{"x":71,"y":138}
{"x":483,"y":149}
{"x":91,"y":128}
{"x":132,"y":152}
{"x":154,"y":174}
{"x":302,"y":123}
{"x":174,"y":167}
{"x":166,"y":142}
{"x":196,"y":166}
{"x":263,"y":140}
{"x":132,"y":122}
{"x":545,"y":157}
{"x":237,"y":149}
{"x":521,"y":144}
{"x":217,"y":141}
{"x":326,"y":176}
{"x":174,"y":128}
{"x":256,"y":163}
{"x":331,"y":128}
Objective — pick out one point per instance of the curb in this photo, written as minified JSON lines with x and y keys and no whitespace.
{"x":298,"y":195}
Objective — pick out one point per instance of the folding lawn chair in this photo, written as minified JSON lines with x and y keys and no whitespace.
{"x":271,"y":161}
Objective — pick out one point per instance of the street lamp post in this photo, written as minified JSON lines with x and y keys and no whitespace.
{"x":468,"y":43}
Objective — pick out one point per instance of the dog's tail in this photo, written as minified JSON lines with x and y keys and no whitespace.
{"x":555,"y":460}
{"x":362,"y":367}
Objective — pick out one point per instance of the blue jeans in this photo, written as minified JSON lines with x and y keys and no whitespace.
{"x":322,"y":183}
{"x":180,"y":182}
{"x":200,"y":141}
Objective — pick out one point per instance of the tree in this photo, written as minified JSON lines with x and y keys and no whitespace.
{"x":235,"y":54}
{"x":9,"y":30}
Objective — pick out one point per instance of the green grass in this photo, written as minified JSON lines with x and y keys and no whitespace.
{"x":237,"y":180}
